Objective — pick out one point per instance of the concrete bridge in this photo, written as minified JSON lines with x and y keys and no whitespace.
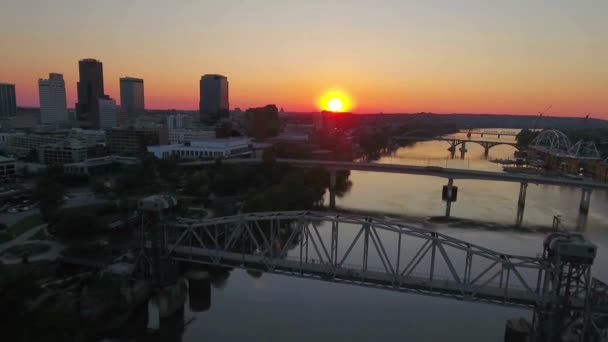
{"x":449,"y":173}
{"x":455,"y":142}
{"x":393,"y":255}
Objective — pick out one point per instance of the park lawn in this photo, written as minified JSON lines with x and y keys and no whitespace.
{"x":24,"y":225}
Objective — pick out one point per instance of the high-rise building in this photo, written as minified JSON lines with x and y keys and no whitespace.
{"x":108,"y":113}
{"x":263,"y":122}
{"x":8,"y":101}
{"x":90,"y":88}
{"x":53,"y":106}
{"x":213,"y":97}
{"x":132,"y":95}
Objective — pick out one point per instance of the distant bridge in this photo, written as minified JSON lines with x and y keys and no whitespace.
{"x":486,"y":132}
{"x":435,"y":171}
{"x":455,"y":142}
{"x":393,"y":255}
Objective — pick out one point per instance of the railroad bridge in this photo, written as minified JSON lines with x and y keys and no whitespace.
{"x":392,"y":255}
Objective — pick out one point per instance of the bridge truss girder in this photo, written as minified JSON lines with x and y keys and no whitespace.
{"x":438,"y":264}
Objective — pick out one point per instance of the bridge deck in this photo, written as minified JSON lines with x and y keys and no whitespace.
{"x":418,"y":170}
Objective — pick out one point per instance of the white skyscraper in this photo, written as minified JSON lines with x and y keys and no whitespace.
{"x":53,"y":106}
{"x":108,"y":113}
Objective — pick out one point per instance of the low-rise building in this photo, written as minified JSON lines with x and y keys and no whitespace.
{"x":67,"y":151}
{"x":180,"y":136}
{"x":209,"y":148}
{"x":7,"y":167}
{"x":100,"y":165}
{"x":21,"y":144}
{"x":133,"y":141}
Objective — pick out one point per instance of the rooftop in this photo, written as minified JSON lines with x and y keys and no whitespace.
{"x":4,"y":159}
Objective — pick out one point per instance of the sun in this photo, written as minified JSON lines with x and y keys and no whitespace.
{"x":335,"y":105}
{"x":337,"y":101}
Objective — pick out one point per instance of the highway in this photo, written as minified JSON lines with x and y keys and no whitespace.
{"x":434,"y":171}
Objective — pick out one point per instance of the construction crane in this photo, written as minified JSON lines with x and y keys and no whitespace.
{"x":540,"y":115}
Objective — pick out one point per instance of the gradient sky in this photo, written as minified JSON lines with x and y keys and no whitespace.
{"x":482,"y":56}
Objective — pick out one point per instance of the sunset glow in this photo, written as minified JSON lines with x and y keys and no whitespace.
{"x":335,"y":101}
{"x":486,"y":62}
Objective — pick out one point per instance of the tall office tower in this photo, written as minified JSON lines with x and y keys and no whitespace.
{"x":90,"y":87}
{"x":132,"y":95}
{"x":213,"y":97}
{"x":108,"y":113}
{"x":53,"y":106}
{"x":8,"y":101}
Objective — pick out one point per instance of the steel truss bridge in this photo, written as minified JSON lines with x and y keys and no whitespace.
{"x":388,"y":254}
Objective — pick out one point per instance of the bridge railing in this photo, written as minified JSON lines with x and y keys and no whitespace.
{"x":386,"y":249}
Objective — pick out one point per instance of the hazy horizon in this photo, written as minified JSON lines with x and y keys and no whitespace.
{"x":475,"y":57}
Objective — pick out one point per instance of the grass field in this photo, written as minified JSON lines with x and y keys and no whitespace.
{"x":21,"y":227}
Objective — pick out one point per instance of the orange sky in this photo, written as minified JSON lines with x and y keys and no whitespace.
{"x":390,"y":56}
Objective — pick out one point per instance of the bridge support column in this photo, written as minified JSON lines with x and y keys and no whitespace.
{"x":463,"y":149}
{"x":585,"y":201}
{"x":486,"y":152}
{"x":448,"y":202}
{"x":452,"y":148}
{"x":332,"y":189}
{"x":521,"y":204}
{"x":583,"y":209}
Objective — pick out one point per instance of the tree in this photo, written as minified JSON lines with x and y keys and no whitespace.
{"x":76,"y":225}
{"x":197,"y":183}
{"x":525,"y":137}
{"x":49,"y":194}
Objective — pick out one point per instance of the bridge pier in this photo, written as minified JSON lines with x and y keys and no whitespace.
{"x":448,"y":202}
{"x":199,"y":290}
{"x":585,"y":201}
{"x":583,"y":209}
{"x":521,"y":204}
{"x":463,"y":149}
{"x":332,"y":189}
{"x":486,"y":152}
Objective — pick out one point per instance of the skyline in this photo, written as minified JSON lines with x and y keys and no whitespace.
{"x":393,"y":56}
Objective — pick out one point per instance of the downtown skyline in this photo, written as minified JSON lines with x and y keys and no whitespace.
{"x":392,"y":57}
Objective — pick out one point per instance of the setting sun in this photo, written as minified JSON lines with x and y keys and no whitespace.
{"x":335,"y":105}
{"x":335,"y":101}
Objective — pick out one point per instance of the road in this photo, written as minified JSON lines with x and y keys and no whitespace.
{"x":53,"y":252}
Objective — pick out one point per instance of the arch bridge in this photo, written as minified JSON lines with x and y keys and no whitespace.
{"x":455,"y":142}
{"x":392,"y":255}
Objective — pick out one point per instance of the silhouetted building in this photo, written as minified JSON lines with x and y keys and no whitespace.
{"x":133,"y":141}
{"x":213,"y":97}
{"x":263,"y":122}
{"x":53,"y":104}
{"x":132,"y":95}
{"x":90,"y":88}
{"x":8,"y":101}
{"x":108,"y":112}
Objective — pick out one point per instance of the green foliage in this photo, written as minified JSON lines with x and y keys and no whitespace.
{"x":49,"y":192}
{"x":25,"y":224}
{"x":525,"y":137}
{"x":197,"y":183}
{"x":77,"y":225}
{"x":229,"y":180}
{"x":32,"y":156}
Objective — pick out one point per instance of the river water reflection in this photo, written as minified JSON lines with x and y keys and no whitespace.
{"x":279,"y":308}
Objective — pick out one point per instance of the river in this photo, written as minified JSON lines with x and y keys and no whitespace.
{"x":279,"y":308}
